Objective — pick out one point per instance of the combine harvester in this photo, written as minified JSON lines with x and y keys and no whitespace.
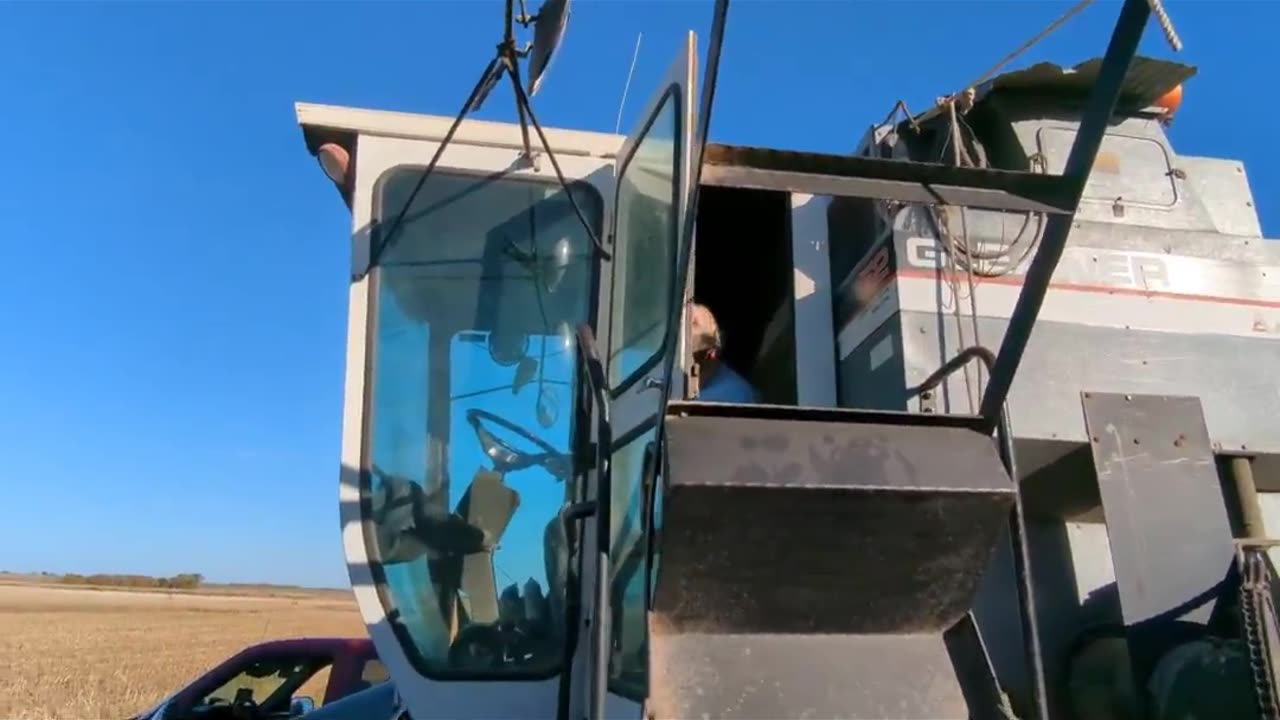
{"x":899,"y":530}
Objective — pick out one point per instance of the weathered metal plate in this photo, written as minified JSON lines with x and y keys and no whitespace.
{"x":814,"y":562}
{"x":1171,"y":540}
{"x":811,"y":526}
{"x":824,"y":677}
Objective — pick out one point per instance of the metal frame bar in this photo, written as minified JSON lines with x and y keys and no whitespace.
{"x":1102,"y":102}
{"x":901,"y":180}
{"x":755,"y":411}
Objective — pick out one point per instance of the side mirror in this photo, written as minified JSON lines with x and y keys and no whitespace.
{"x":301,"y":706}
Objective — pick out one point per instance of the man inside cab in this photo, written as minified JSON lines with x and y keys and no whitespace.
{"x":717,"y":382}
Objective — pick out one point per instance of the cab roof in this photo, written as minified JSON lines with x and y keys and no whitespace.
{"x":323,"y":124}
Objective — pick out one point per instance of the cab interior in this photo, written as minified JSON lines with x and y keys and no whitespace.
{"x":743,"y":273}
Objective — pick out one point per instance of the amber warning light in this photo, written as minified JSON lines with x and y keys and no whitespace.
{"x":1170,"y":102}
{"x":334,"y":161}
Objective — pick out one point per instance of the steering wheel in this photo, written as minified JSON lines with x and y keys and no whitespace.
{"x":506,"y":458}
{"x":492,"y":646}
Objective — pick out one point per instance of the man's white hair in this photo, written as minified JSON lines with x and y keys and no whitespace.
{"x":705,"y":330}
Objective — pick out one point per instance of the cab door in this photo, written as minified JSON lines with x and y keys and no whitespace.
{"x":644,"y":302}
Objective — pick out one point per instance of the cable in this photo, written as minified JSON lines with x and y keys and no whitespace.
{"x":376,"y":252}
{"x":1072,"y":12}
{"x":523,"y":100}
{"x":1075,"y":10}
{"x":1166,"y":25}
{"x":625,"y":88}
{"x":507,"y":58}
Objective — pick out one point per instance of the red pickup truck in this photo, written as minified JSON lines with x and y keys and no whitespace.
{"x":265,"y":681}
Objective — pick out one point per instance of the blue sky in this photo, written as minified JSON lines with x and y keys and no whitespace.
{"x":174,"y":305}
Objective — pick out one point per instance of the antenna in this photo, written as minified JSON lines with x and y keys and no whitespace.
{"x":617,"y":128}
{"x":549,"y":27}
{"x":548,"y":32}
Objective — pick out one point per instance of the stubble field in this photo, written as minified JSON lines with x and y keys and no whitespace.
{"x":80,"y":653}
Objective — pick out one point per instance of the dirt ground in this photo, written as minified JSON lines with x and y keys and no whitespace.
{"x":86,"y":653}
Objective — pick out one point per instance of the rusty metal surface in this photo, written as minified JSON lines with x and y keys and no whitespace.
{"x":1145,"y":82}
{"x":1170,"y":536}
{"x":770,"y":677}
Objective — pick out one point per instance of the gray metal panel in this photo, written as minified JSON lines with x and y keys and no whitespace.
{"x":1130,"y":168}
{"x":1119,"y":256}
{"x":1170,"y":536}
{"x":1223,"y":188}
{"x":991,"y":231}
{"x":823,"y":677}
{"x":1232,"y":376}
{"x":1134,"y":166}
{"x":878,"y":365}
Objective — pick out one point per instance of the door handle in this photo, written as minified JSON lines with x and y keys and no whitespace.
{"x":653,"y":382}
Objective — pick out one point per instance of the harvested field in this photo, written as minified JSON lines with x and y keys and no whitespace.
{"x":87,"y":653}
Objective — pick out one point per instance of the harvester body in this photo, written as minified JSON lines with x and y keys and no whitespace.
{"x":883,"y":536}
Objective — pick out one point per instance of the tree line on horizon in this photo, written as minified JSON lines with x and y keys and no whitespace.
{"x":181,"y":581}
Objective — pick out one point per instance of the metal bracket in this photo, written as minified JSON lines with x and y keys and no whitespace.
{"x":1170,"y":535}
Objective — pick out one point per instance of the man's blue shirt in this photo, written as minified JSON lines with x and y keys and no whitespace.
{"x":727,"y":386}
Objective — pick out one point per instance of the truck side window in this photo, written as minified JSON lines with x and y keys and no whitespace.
{"x":260,"y":682}
{"x":269,"y":683}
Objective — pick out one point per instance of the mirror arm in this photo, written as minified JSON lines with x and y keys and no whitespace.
{"x":381,"y":242}
{"x":523,"y":105}
{"x":506,"y":61}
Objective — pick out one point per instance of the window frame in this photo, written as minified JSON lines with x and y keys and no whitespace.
{"x":404,"y":640}
{"x":672,"y":92}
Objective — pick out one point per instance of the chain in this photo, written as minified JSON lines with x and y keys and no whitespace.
{"x":1255,"y":606}
{"x":1166,"y":25}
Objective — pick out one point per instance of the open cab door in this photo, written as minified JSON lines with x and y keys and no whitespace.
{"x":644,"y":298}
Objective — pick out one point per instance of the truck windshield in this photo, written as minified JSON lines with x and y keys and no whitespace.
{"x":471,"y":399}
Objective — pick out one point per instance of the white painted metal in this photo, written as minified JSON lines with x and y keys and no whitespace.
{"x":475,"y":133}
{"x":814,"y":334}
